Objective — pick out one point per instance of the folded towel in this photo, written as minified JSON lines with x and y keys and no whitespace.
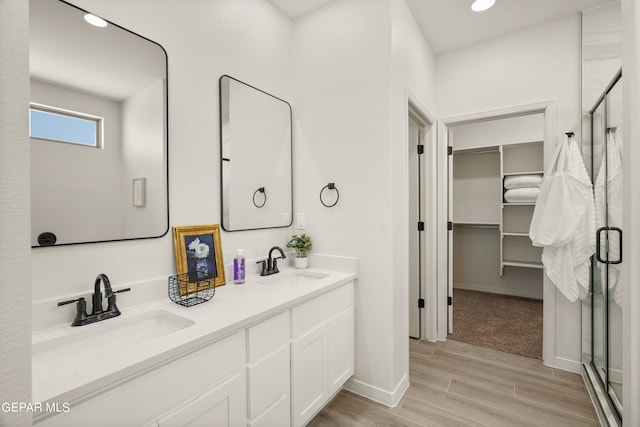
{"x":522,"y":195}
{"x":522,"y":181}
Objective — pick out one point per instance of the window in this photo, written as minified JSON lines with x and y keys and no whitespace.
{"x":54,"y":124}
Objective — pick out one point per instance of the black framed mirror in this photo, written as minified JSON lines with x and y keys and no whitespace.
{"x":98,"y":127}
{"x":256,"y":158}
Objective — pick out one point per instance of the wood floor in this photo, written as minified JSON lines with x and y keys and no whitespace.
{"x":459,"y":384}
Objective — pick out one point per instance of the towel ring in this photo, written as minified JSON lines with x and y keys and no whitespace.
{"x":259,"y":190}
{"x":330,"y":186}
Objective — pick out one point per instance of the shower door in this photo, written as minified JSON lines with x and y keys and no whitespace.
{"x":606,"y":297}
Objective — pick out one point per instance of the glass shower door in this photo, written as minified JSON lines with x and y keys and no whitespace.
{"x":606,"y":297}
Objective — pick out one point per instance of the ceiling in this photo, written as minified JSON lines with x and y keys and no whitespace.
{"x":450,"y":24}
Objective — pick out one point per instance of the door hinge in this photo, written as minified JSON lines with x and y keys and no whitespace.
{"x":420,"y":225}
{"x":449,"y":150}
{"x":420,"y":148}
{"x":449,"y":300}
{"x":420,"y":302}
{"x":449,"y":225}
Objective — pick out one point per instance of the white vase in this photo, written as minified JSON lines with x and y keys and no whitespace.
{"x":301,"y":262}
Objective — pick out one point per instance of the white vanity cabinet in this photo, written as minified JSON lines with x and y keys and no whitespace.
{"x":268,"y":372}
{"x":278,"y":369}
{"x":204,"y":388}
{"x":321,"y":351}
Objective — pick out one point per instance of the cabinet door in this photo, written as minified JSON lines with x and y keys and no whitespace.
{"x":309,"y":374}
{"x":222,"y":406}
{"x":340,"y":350}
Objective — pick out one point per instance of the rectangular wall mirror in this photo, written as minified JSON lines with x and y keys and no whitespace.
{"x":98,"y":126}
{"x":256,"y":150}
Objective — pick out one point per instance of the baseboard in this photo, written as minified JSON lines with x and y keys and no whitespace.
{"x":565,"y":364}
{"x":387,"y":398}
{"x":488,"y":289}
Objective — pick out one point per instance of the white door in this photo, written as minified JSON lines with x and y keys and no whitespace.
{"x":415,"y":216}
{"x":450,"y":243}
{"x":339,"y":350}
{"x":309,"y":374}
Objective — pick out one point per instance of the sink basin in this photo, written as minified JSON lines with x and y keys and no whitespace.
{"x":104,"y":340}
{"x":293,"y":279}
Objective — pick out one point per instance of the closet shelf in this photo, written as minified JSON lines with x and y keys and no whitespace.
{"x":523,"y":173}
{"x":518,"y":203}
{"x":476,"y":224}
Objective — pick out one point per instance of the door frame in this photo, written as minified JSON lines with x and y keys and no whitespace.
{"x":429,"y":248}
{"x":549,"y":109}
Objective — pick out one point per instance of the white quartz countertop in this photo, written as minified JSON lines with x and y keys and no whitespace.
{"x":60,"y":377}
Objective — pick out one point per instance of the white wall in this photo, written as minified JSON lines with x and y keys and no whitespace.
{"x":412,"y":75}
{"x":354,"y":61}
{"x":143,"y":155}
{"x":15,"y":303}
{"x":535,"y":64}
{"x":250,"y":40}
{"x":341,"y":132}
{"x":76,"y":190}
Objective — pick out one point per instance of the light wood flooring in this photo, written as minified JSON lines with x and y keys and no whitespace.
{"x":459,"y":384}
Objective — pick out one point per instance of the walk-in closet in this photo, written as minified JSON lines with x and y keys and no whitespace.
{"x":496,"y":275}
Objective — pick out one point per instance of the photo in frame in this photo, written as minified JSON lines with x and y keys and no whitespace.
{"x":198,"y":253}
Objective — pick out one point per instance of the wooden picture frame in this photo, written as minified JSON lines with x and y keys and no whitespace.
{"x":198,"y":252}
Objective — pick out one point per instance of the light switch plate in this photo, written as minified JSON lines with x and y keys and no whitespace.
{"x":300,"y":221}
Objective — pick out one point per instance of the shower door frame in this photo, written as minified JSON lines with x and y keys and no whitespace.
{"x":608,"y":408}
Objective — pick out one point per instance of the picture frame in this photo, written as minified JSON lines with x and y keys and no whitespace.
{"x":198,"y":253}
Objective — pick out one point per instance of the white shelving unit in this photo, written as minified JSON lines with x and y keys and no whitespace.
{"x":490,"y":249}
{"x":515,"y":246}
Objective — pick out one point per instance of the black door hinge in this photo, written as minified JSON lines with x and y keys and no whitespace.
{"x":420,"y":226}
{"x":420,"y":148}
{"x":449,"y":225}
{"x":420,"y":302}
{"x":449,"y":300}
{"x":449,"y":150}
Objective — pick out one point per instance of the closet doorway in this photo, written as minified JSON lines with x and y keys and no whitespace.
{"x":496,"y":281}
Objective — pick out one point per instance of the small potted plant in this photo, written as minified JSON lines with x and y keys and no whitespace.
{"x":302,"y":245}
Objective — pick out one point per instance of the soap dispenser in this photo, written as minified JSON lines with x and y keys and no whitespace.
{"x":238,"y":267}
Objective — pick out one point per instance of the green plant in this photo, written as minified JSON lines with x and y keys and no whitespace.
{"x":302,"y":244}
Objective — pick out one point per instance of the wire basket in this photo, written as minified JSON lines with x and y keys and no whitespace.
{"x":187,"y":289}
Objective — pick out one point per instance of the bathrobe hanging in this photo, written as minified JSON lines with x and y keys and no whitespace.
{"x":563,"y":222}
{"x":609,"y":210}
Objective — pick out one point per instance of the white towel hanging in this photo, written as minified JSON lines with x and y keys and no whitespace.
{"x":563,"y":221}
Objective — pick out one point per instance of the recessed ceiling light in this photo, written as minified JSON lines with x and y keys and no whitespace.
{"x":482,"y":5}
{"x":94,"y":20}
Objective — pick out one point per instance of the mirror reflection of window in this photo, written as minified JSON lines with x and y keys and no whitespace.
{"x":52,"y":124}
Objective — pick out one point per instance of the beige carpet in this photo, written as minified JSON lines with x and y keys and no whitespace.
{"x":506,"y":323}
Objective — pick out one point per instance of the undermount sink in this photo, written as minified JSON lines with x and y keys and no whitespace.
{"x":293,"y":279}
{"x":92,"y":343}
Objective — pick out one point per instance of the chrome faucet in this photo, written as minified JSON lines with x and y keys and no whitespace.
{"x":270,"y":265}
{"x":97,"y":312}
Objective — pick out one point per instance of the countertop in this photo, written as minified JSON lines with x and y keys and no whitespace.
{"x":65,"y":379}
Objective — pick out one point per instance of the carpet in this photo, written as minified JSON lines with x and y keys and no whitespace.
{"x":510,"y":324}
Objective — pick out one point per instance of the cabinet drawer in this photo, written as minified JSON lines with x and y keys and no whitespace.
{"x":317,"y":311}
{"x":268,"y":382}
{"x":267,"y":336}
